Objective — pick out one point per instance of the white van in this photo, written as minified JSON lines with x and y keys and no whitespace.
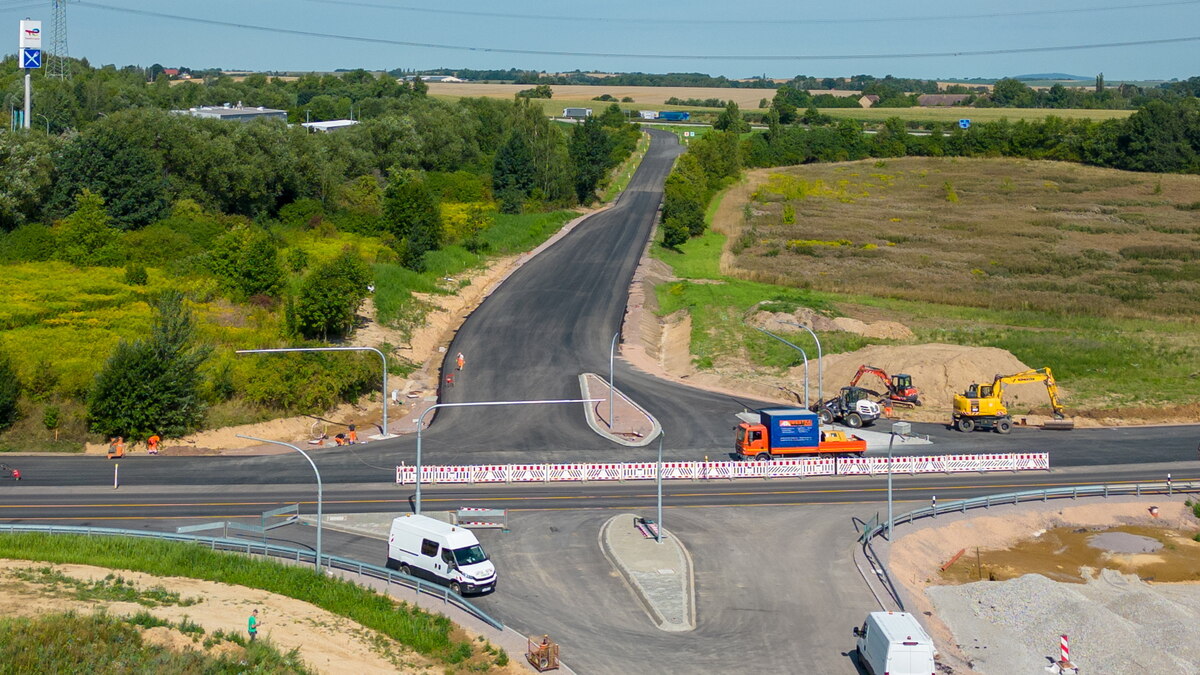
{"x":894,"y":643}
{"x":428,"y":548}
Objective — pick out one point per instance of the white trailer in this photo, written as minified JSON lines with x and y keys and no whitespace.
{"x":424,"y":547}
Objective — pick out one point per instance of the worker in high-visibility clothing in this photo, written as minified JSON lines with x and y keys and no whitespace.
{"x":352,"y":436}
{"x":152,"y":444}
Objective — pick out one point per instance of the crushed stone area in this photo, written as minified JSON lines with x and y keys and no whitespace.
{"x":1124,"y":542}
{"x":1117,"y":624}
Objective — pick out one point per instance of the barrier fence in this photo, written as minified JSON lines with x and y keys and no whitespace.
{"x":779,"y":468}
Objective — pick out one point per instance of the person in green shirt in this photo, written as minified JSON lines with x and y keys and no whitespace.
{"x":253,"y":624}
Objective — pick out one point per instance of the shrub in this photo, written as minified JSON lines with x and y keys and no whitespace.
{"x":33,"y":242}
{"x":330,"y":296}
{"x":135,"y":275}
{"x":10,"y":393}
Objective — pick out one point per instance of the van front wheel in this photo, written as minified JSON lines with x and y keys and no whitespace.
{"x":455,"y":588}
{"x":405,"y":570}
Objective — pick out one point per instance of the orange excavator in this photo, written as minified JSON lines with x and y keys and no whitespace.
{"x":900,"y":389}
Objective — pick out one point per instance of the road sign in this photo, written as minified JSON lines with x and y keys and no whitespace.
{"x":965,"y":124}
{"x":31,"y":58}
{"x":31,"y":34}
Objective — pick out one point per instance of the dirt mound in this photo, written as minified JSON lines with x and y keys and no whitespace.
{"x":785,"y":321}
{"x":939,"y":370}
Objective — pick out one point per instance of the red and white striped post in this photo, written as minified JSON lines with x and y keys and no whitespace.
{"x":1064,"y":664}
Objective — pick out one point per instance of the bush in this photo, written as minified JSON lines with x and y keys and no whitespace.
{"x":28,"y":243}
{"x":10,"y":393}
{"x":330,"y":295}
{"x":135,"y":275}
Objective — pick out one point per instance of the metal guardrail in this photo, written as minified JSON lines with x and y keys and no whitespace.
{"x":1166,"y":487}
{"x":275,"y":551}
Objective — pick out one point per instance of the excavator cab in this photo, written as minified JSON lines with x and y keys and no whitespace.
{"x":902,"y":382}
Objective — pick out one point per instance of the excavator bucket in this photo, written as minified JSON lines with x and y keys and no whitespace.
{"x":1059,"y":425}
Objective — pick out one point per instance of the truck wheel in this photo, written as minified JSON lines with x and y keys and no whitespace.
{"x":1003,"y":427}
{"x":455,"y":588}
{"x":763,"y":457}
{"x":826,"y":416}
{"x":966,"y":424}
{"x":854,"y":420}
{"x":405,"y":570}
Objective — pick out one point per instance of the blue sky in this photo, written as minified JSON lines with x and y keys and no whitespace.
{"x":712,"y":28}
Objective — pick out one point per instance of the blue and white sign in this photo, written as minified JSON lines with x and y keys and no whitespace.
{"x":965,"y":124}
{"x":31,"y":58}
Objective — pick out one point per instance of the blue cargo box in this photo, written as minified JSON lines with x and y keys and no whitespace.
{"x":791,"y":427}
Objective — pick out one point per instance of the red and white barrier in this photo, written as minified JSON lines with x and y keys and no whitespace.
{"x":780,"y":468}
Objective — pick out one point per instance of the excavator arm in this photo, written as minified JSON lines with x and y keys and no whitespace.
{"x":1038,"y":375}
{"x":871,"y":370}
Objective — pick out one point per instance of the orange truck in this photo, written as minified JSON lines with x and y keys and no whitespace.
{"x":790,"y":432}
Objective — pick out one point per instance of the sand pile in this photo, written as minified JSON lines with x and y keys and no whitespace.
{"x":939,"y":370}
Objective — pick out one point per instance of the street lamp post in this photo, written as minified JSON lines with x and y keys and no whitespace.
{"x":382,"y":356}
{"x":320,"y":492}
{"x":658,"y":476}
{"x":47,"y":121}
{"x":898,"y":429}
{"x":820,"y":361}
{"x":802,"y":353}
{"x":612,"y":350}
{"x":421,"y":426}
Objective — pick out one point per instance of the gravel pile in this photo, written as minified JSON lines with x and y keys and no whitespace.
{"x":1117,"y":624}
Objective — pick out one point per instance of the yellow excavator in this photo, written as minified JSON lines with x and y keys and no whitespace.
{"x":982,"y":405}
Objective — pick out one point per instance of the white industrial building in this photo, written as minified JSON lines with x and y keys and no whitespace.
{"x":232,"y":112}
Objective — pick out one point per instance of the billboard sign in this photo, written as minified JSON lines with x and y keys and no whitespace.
{"x":31,"y":34}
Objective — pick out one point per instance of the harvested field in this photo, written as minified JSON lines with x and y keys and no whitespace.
{"x":645,"y":96}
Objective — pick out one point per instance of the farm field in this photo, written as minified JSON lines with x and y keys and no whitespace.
{"x":1094,"y":272}
{"x":569,"y":96}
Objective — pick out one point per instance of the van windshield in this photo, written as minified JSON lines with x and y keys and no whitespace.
{"x":469,"y":555}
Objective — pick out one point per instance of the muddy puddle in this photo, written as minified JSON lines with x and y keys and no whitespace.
{"x":1153,"y":554}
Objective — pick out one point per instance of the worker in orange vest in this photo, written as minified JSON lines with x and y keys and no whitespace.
{"x":462,"y":360}
{"x":352,"y":437}
{"x":152,"y":444}
{"x":120,"y":446}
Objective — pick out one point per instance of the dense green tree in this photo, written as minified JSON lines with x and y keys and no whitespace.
{"x":589,"y":149}
{"x":10,"y":393}
{"x":412,"y":216}
{"x":245,"y":261}
{"x":513,"y":172}
{"x":84,"y":237}
{"x":1156,"y":138}
{"x":27,"y":176}
{"x":731,"y":120}
{"x":1012,"y":93}
{"x":116,"y":168}
{"x":330,"y":295}
{"x":152,"y":385}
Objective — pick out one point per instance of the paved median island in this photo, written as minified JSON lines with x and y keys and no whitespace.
{"x":660,"y":574}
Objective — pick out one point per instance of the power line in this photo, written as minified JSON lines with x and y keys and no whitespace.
{"x":623,"y":55}
{"x":749,"y":22}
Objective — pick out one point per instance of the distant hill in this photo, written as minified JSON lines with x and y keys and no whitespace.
{"x":1053,"y":76}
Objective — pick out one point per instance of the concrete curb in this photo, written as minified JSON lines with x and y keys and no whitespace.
{"x":639,"y":592}
{"x":655,"y":427}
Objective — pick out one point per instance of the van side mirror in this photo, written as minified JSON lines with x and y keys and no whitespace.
{"x":857,"y":632}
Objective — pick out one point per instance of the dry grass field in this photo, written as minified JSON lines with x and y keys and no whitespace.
{"x":747,"y":99}
{"x":1002,"y":234}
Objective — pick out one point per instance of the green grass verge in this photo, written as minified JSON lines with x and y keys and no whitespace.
{"x":427,"y":633}
{"x":100,"y":643}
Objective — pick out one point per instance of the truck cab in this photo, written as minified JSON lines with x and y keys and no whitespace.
{"x":789,"y":432}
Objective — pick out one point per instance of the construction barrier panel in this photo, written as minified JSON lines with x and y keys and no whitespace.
{"x":780,"y":468}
